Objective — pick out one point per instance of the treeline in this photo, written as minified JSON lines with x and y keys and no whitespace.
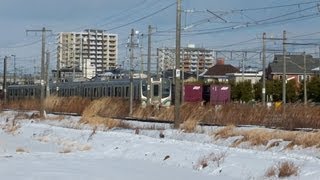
{"x":246,"y":92}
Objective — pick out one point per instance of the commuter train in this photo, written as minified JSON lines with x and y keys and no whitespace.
{"x":160,"y":90}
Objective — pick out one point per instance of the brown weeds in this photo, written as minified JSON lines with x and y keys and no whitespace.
{"x":282,"y":169}
{"x":258,"y":137}
{"x":21,"y":150}
{"x":189,"y":126}
{"x":225,"y":132}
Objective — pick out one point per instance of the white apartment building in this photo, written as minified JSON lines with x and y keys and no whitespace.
{"x":87,"y":49}
{"x":194,"y":60}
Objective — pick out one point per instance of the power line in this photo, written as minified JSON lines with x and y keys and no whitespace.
{"x":273,"y":7}
{"x":142,"y":18}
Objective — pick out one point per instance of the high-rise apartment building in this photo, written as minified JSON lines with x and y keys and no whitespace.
{"x":91,"y":51}
{"x":194,"y":60}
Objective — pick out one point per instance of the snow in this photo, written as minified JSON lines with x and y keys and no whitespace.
{"x":65,"y":149}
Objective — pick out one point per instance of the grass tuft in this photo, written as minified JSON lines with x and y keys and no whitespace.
{"x":282,"y":170}
{"x":21,"y":150}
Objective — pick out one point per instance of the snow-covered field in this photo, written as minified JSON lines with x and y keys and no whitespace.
{"x":64,"y":150}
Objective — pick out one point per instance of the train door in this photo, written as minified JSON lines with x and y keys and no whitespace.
{"x":156,"y":91}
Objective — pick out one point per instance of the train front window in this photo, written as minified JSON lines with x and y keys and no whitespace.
{"x":144,"y":89}
{"x":156,"y":90}
{"x":166,"y":88}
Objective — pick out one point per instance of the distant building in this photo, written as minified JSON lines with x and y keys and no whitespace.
{"x":193,"y":60}
{"x":81,"y":50}
{"x":294,"y":67}
{"x":219,"y":72}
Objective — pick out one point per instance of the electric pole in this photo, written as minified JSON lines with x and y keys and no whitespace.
{"x":149,"y":65}
{"x":14,"y":69}
{"x":264,"y":69}
{"x":5,"y":79}
{"x":177,"y":73}
{"x":42,"y":78}
{"x":284,"y":78}
{"x":304,"y":79}
{"x":131,"y":71}
{"x":47,"y":74}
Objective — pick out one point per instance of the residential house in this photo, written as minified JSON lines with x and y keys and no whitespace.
{"x":294,"y":67}
{"x":219,"y":72}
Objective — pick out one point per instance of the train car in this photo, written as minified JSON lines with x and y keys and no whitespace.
{"x":97,"y":89}
{"x":161,"y":90}
{"x":22,"y":92}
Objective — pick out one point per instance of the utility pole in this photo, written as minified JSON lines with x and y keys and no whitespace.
{"x":149,"y":65}
{"x":264,"y":69}
{"x":177,"y":73}
{"x":304,"y":79}
{"x":284,"y":75}
{"x":264,"y":38}
{"x":42,"y":79}
{"x":5,"y":79}
{"x":242,"y":64}
{"x":47,"y":73}
{"x":131,"y":70}
{"x":14,"y":69}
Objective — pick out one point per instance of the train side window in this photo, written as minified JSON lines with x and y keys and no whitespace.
{"x":72,"y":92}
{"x":109,"y":91}
{"x":94,"y":92}
{"x":127,"y":91}
{"x":116,"y":91}
{"x":100,"y":91}
{"x":156,"y":90}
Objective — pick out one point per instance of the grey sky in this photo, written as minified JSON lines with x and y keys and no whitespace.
{"x":75,"y":15}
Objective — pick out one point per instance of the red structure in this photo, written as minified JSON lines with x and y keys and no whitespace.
{"x":193,"y":92}
{"x":220,"y":94}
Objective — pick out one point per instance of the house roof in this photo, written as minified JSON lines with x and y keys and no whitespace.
{"x":221,"y":70}
{"x":294,"y":64}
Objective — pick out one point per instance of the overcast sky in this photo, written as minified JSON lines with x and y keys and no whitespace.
{"x":224,"y":26}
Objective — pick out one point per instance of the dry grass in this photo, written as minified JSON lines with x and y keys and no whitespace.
{"x":85,"y":147}
{"x":296,"y":115}
{"x":216,"y":158}
{"x":189,"y":126}
{"x":32,"y":104}
{"x":11,"y":126}
{"x":21,"y":150}
{"x":99,"y":111}
{"x":258,"y":137}
{"x":282,"y":169}
{"x":74,"y":104}
{"x":21,"y":115}
{"x":92,"y":133}
{"x":65,"y":150}
{"x":225,"y":132}
{"x":255,"y":137}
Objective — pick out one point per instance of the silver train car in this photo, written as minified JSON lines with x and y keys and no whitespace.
{"x":160,"y":90}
